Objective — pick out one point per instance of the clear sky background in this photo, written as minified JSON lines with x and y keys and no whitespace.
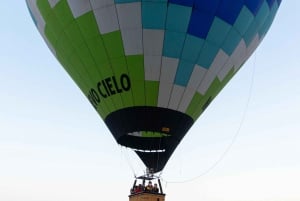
{"x":54,"y":146}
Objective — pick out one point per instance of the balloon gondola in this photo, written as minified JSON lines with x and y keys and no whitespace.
{"x":150,"y":68}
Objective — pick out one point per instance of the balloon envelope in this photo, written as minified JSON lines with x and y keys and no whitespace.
{"x":150,"y":68}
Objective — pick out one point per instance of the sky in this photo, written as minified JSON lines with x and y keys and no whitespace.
{"x":54,"y":146}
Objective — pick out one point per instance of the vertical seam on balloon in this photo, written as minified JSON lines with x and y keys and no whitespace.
{"x":84,"y":83}
{"x":84,"y":42}
{"x":117,"y":13}
{"x":161,"y":60}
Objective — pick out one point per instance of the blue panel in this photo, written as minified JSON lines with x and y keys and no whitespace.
{"x":192,"y":48}
{"x":262,"y":14}
{"x":173,"y":44}
{"x":254,"y":5}
{"x":243,"y":21}
{"x":208,"y":54}
{"x":183,"y":73}
{"x":151,"y":21}
{"x":250,"y":33}
{"x":200,"y":23}
{"x":270,"y":2}
{"x":183,"y":2}
{"x":178,"y":17}
{"x":207,"y":6}
{"x":231,"y":41}
{"x":229,"y":10}
{"x":218,"y":31}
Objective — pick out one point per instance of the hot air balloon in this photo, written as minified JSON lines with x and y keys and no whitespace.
{"x":151,"y":67}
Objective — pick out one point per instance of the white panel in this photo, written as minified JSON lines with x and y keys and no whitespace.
{"x":205,"y":84}
{"x":53,"y":2}
{"x":186,"y":99}
{"x":132,"y":41}
{"x":168,"y":72}
{"x":165,"y":89}
{"x":218,"y":62}
{"x":129,"y":15}
{"x":239,"y":54}
{"x":176,"y":97}
{"x":101,"y":3}
{"x":153,"y":41}
{"x":225,"y":69}
{"x":37,"y":15}
{"x":236,"y":60}
{"x":79,"y":7}
{"x":194,"y":82}
{"x":107,"y":19}
{"x":196,"y":77}
{"x":168,"y":69}
{"x":152,"y":67}
{"x":253,"y":45}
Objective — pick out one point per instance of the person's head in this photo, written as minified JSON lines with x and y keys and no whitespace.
{"x":155,"y":185}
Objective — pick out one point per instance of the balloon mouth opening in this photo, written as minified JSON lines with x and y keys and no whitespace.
{"x":148,"y":134}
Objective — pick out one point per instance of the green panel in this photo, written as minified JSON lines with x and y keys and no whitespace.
{"x":88,"y":61}
{"x":52,"y":38}
{"x":138,"y":91}
{"x":136,"y":72}
{"x":63,"y":13}
{"x":113,"y":44}
{"x":98,"y":52}
{"x":44,"y":7}
{"x":153,"y":134}
{"x":136,"y":67}
{"x":151,"y":88}
{"x":74,"y":34}
{"x":88,"y":25}
{"x":119,"y":67}
{"x":55,"y":26}
{"x":194,"y":105}
{"x":64,"y":46}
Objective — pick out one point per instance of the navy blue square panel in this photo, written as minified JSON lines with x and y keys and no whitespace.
{"x":229,"y":10}
{"x":209,"y":6}
{"x":279,"y":2}
{"x":200,"y":23}
{"x":254,"y":5}
{"x":270,"y":3}
{"x":182,"y":2}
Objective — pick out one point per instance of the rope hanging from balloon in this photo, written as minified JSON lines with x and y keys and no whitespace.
{"x":234,"y":138}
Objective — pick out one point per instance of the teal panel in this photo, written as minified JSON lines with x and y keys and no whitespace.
{"x":265,"y":27}
{"x":208,"y":53}
{"x":178,"y":17}
{"x":262,"y":14}
{"x":218,"y":31}
{"x":173,"y":44}
{"x":126,"y":1}
{"x":183,"y":73}
{"x":250,"y":33}
{"x":157,"y":21}
{"x":231,"y":41}
{"x":244,"y":20}
{"x":192,"y":47}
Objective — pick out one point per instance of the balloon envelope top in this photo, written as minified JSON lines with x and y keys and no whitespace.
{"x":151,"y":67}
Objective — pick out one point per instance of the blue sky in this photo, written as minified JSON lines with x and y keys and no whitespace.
{"x":54,"y":146}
